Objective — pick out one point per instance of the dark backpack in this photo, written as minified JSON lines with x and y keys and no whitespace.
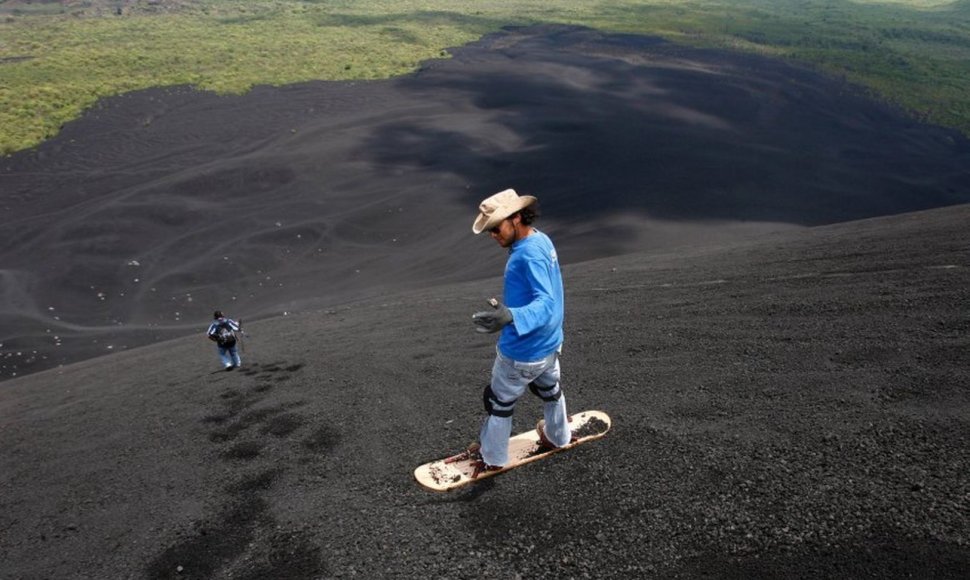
{"x":225,"y":336}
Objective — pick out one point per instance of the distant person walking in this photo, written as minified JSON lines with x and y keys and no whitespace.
{"x":530,"y":321}
{"x":223,"y":331}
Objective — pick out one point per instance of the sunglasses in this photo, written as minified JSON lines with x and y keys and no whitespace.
{"x":498,"y":228}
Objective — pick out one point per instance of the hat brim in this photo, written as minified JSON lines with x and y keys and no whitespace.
{"x":486,"y":222}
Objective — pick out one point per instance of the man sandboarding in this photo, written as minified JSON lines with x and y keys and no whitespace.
{"x":528,"y":350}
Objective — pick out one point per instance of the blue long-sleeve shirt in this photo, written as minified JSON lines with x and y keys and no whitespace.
{"x":534,"y":294}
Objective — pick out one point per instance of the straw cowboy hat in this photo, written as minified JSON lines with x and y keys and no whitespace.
{"x":493,"y":210}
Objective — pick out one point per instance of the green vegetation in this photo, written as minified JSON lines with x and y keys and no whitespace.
{"x":57,"y":59}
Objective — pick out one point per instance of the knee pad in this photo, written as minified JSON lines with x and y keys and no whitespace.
{"x":546,"y":393}
{"x":491,"y":402}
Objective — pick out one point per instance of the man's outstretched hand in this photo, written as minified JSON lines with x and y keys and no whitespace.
{"x":494,"y":320}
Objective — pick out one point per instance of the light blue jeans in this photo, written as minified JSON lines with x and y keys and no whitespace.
{"x":229,"y":355}
{"x":510,"y":379}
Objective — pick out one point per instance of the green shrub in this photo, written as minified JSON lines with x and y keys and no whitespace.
{"x":55,"y":63}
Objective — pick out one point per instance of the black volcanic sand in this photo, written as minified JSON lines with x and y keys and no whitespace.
{"x":794,"y":407}
{"x":159,"y":206}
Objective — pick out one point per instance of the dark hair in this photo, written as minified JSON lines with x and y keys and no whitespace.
{"x":217,"y":314}
{"x":529,"y":214}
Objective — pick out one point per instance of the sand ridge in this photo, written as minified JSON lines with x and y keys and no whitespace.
{"x":791,"y":407}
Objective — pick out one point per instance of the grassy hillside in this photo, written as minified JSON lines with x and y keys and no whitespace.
{"x":58,"y":58}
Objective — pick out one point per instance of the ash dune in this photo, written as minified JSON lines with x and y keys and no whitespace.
{"x":790,"y":407}
{"x":158,"y":206}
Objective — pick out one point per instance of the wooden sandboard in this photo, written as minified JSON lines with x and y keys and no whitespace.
{"x":459,"y":470}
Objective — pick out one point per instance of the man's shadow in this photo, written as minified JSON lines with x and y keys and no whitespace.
{"x":476,"y":490}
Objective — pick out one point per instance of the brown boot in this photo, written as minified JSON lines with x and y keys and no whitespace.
{"x":473,"y":452}
{"x":544,"y":442}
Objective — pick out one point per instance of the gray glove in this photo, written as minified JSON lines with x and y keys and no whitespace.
{"x":492,"y":320}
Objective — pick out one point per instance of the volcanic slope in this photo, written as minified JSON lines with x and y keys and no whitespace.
{"x":794,"y":407}
{"x":159,"y":206}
